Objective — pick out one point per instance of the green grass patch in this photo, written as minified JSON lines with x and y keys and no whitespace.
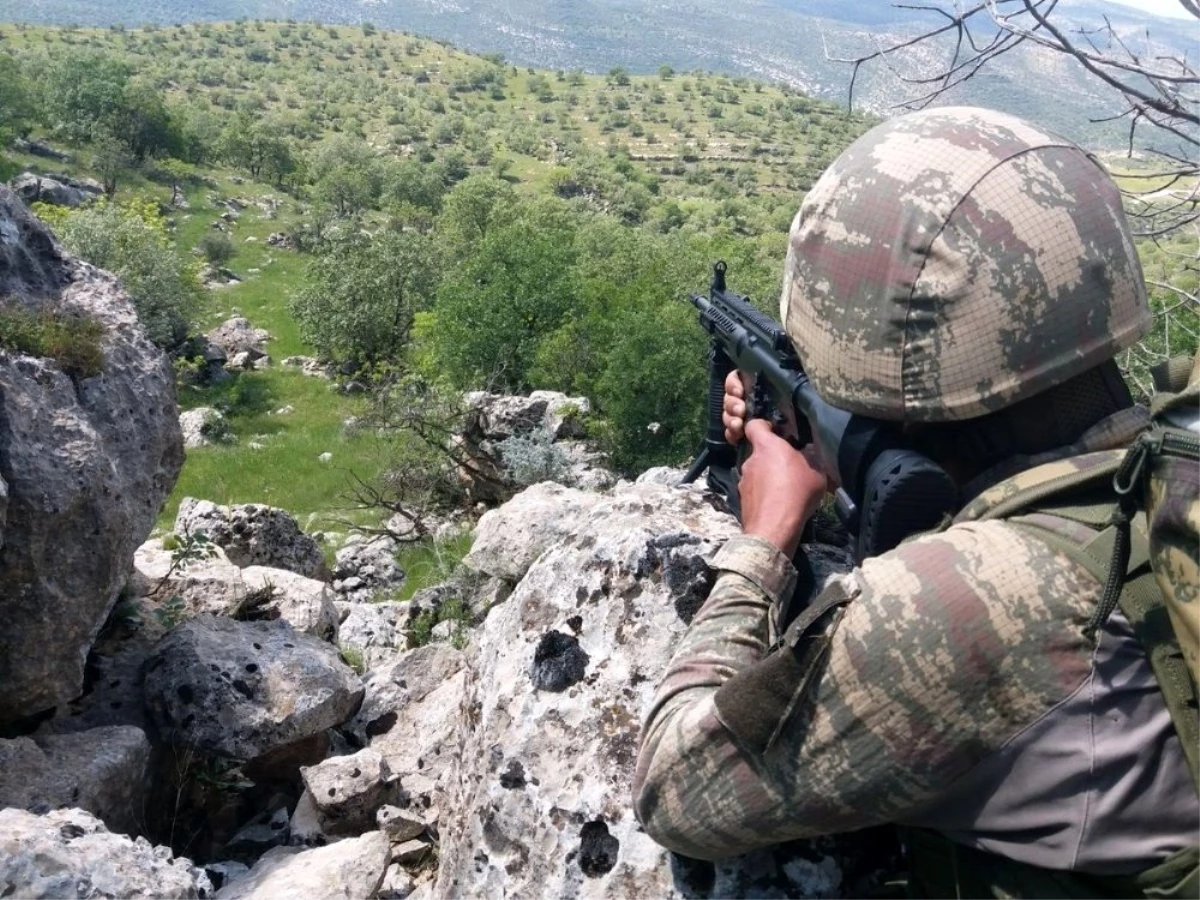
{"x":430,"y":562}
{"x":275,"y":457}
{"x":72,"y":342}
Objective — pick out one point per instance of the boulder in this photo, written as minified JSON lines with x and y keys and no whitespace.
{"x":237,"y":335}
{"x":411,"y":710}
{"x":253,"y":534}
{"x":242,"y":689}
{"x":509,"y":539}
{"x":564,"y":416}
{"x":104,"y":771}
{"x":366,"y":568}
{"x":348,"y":790}
{"x":379,"y":631}
{"x":565,"y":672}
{"x":87,"y":464}
{"x":203,"y":426}
{"x":69,"y":853}
{"x":351,"y":869}
{"x":57,"y":191}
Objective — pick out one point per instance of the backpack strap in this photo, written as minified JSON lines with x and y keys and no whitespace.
{"x":1140,"y":599}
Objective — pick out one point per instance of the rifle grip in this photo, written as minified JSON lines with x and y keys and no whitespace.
{"x":719,"y":367}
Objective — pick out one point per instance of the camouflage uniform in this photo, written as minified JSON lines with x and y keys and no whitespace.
{"x":943,"y":268}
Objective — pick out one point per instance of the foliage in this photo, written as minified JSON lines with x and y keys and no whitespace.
{"x":73,"y":342}
{"x":452,"y":610}
{"x":216,"y":247}
{"x":130,"y":240}
{"x":534,"y":457}
{"x":17,"y":110}
{"x":361,"y":295}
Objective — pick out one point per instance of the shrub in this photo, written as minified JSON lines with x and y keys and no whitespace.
{"x":72,"y":342}
{"x":216,"y":247}
{"x":535,"y":457}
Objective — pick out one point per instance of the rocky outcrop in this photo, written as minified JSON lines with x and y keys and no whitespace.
{"x":69,"y":853}
{"x":366,"y":568}
{"x":242,"y":689}
{"x":104,"y":771}
{"x":237,"y":335}
{"x":379,"y":631}
{"x":350,"y":869}
{"x":203,"y":426}
{"x":253,"y":534}
{"x":58,"y":190}
{"x":86,"y":463}
{"x":348,"y":790}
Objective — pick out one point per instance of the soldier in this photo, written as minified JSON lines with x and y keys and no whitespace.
{"x":971,"y":277}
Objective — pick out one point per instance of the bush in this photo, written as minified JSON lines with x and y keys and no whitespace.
{"x":216,"y":247}
{"x":535,"y":457}
{"x":73,"y":343}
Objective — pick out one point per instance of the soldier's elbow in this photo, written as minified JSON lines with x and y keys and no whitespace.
{"x":666,"y":817}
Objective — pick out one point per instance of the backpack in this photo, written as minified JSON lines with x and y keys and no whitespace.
{"x":1141,"y":506}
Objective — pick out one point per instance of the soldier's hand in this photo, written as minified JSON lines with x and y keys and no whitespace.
{"x":733,"y":410}
{"x":781,"y":487}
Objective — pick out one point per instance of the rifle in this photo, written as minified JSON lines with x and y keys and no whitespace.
{"x":886,"y":491}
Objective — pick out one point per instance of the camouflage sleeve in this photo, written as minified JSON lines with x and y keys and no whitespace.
{"x":949,"y":646}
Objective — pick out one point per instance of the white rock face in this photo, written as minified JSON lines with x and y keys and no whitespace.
{"x":104,"y":771}
{"x":376,"y":630}
{"x":69,"y":853}
{"x":237,"y":335}
{"x":242,"y":689}
{"x":509,"y":539}
{"x":348,"y":790}
{"x":366,"y":568}
{"x":86,"y":466}
{"x":351,"y":869}
{"x":202,"y":426}
{"x":253,"y":534}
{"x":541,"y":804}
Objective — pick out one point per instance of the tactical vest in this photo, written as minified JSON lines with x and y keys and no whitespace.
{"x":1137,"y":505}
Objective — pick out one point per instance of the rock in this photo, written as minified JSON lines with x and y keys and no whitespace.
{"x":69,"y":853}
{"x":309,"y":366}
{"x":258,"y":836}
{"x":508,"y":540}
{"x":350,"y":869}
{"x":281,"y":240}
{"x":305,"y":827}
{"x":241,"y":360}
{"x":588,"y":467}
{"x":410,"y":853}
{"x":398,"y":824}
{"x":225,"y":871}
{"x":564,"y":416}
{"x":40,"y":148}
{"x":304,"y":603}
{"x":410,"y":711}
{"x":397,"y":884}
{"x":253,"y":534}
{"x":34,"y":188}
{"x":241,"y":689}
{"x":104,"y":771}
{"x":565,"y":672}
{"x":372,"y":563}
{"x":348,"y":790}
{"x":87,"y":464}
{"x":203,"y":426}
{"x":377,"y":630}
{"x":237,"y":335}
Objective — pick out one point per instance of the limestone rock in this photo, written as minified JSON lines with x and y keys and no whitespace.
{"x":366,"y":568}
{"x":237,"y":335}
{"x":59,"y":191}
{"x":348,"y":790}
{"x":203,"y":426}
{"x":86,"y":466}
{"x":104,"y":771}
{"x":509,"y":539}
{"x":377,"y":630}
{"x":241,"y":689}
{"x":566,"y":670}
{"x":351,"y":869}
{"x":304,"y":603}
{"x":69,"y":853}
{"x":305,"y":828}
{"x":398,"y":824}
{"x":411,"y":709}
{"x":253,"y":534}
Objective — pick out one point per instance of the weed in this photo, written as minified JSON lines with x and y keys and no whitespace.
{"x":452,"y":610}
{"x":353,"y":657}
{"x":72,"y":342}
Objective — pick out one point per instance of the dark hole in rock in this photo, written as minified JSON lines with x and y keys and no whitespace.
{"x":558,"y":662}
{"x":70,"y":831}
{"x":333,"y":792}
{"x":186,"y":694}
{"x":420,"y":762}
{"x":694,"y":877}
{"x":187,"y":721}
{"x":290,"y":646}
{"x":256,"y":646}
{"x":115,"y":683}
{"x":213,"y":667}
{"x":575,"y":623}
{"x":251,"y":668}
{"x":242,"y":688}
{"x":514,"y":776}
{"x":116,"y":704}
{"x":381,"y":725}
{"x":597,"y":849}
{"x":357,"y":773}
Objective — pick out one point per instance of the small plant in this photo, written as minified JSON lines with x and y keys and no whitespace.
{"x":72,"y":342}
{"x":353,"y":657}
{"x":534,"y":457}
{"x":452,"y":610}
{"x":216,"y":247}
{"x":170,"y":612}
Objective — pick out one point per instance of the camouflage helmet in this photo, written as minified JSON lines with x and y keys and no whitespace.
{"x":954,"y":261}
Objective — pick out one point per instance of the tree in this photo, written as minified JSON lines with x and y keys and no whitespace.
{"x":146,"y":127}
{"x":16,"y":102}
{"x":131,"y":242}
{"x":84,"y":92}
{"x":472,"y":209}
{"x":360,"y":296}
{"x":346,"y":175}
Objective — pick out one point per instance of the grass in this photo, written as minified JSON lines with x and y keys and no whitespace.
{"x":73,"y":343}
{"x":430,"y":562}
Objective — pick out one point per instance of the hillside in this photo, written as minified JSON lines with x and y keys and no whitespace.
{"x":782,"y":41}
